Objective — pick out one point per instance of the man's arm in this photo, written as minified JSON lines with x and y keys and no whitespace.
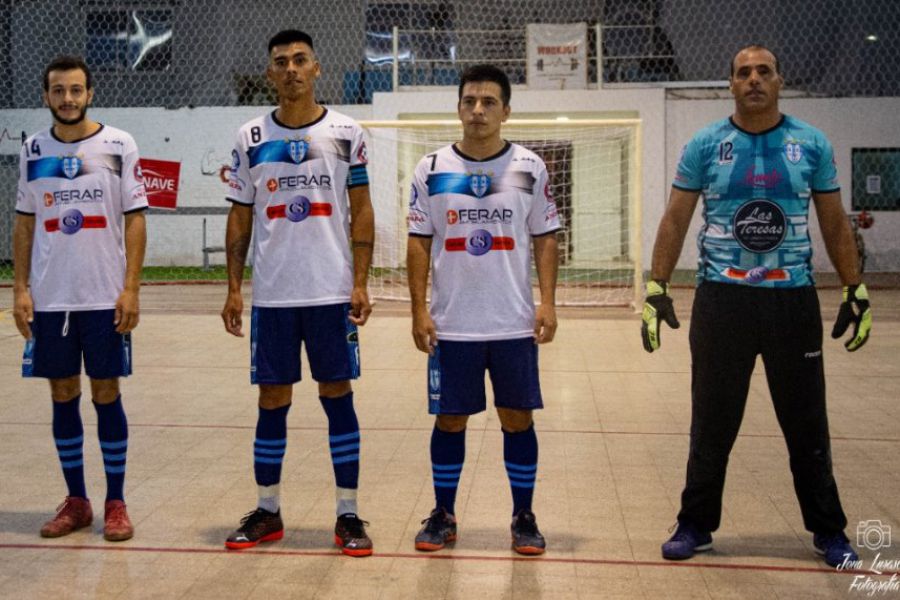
{"x":546,"y":262}
{"x":666,"y":250}
{"x":362,"y":236}
{"x":418,"y":258}
{"x":838,"y":236}
{"x":23,"y":240}
{"x":671,"y":233}
{"x":237,"y":241}
{"x":127,"y":305}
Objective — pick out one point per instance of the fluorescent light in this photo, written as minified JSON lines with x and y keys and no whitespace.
{"x":871,"y":38}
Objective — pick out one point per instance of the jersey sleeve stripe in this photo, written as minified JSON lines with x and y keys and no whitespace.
{"x":685,"y":188}
{"x":542,"y":234}
{"x":831,"y":191}
{"x":25,"y":213}
{"x":234,"y":200}
{"x":135,"y":210}
{"x":420,"y":235}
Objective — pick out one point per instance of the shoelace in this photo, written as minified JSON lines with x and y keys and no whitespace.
{"x":117,"y":513}
{"x":355,"y":526}
{"x":435,"y":521}
{"x":525,"y":523}
{"x":251,"y":519}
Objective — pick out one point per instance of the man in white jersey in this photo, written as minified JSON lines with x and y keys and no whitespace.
{"x":758,"y":171}
{"x":300,"y":172}
{"x":79,"y":242}
{"x":477,"y":207}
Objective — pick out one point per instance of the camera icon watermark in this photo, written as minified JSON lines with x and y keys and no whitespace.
{"x":873,"y":534}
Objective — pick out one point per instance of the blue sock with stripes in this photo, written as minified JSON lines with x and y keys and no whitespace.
{"x":520,"y":453}
{"x":448,"y":453}
{"x":268,"y":454}
{"x":112,"y":429}
{"x":68,"y":433}
{"x":343,"y":439}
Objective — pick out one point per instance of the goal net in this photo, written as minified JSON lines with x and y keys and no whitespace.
{"x":594,"y":168}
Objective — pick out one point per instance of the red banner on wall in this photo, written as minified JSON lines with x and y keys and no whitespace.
{"x":161,"y":182}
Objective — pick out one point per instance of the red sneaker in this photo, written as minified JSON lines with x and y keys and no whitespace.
{"x":117,"y":526}
{"x":74,"y":513}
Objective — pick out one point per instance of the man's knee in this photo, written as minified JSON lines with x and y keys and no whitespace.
{"x":334,"y":389}
{"x":275,"y":396}
{"x":451,"y":423}
{"x":65,"y":390}
{"x":514,"y":420}
{"x":104,"y":391}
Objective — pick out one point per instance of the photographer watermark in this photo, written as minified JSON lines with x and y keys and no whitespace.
{"x":876,"y":537}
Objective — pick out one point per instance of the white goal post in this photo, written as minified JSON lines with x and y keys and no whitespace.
{"x":595,"y":178}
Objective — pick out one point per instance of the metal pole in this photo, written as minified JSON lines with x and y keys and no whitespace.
{"x":598,"y":36}
{"x":395,"y":79}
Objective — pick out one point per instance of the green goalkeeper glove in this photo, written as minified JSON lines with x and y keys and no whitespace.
{"x":657,"y":306}
{"x":854,"y":309}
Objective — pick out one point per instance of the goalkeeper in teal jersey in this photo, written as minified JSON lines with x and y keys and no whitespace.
{"x":757,"y":170}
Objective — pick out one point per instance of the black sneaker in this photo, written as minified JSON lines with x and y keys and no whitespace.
{"x":257,"y":526}
{"x":350,"y":535}
{"x":440,"y":528}
{"x":526,"y":539}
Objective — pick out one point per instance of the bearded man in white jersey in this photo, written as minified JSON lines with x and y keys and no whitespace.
{"x":79,"y":245}
{"x":477,"y":208}
{"x":300,"y":172}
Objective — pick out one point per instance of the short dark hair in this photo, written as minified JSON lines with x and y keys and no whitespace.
{"x":485,"y":72}
{"x":67,"y":63}
{"x":754,"y":47}
{"x":289,"y":36}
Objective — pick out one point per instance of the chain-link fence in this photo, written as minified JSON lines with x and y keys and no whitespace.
{"x":174,"y":53}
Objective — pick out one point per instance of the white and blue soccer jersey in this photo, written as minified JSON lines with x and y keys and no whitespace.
{"x":78,"y":193}
{"x":297,"y":179}
{"x":756,"y":191}
{"x":482,"y":215}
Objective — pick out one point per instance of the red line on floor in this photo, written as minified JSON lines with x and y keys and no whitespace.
{"x":463,"y":557}
{"x":542,"y":431}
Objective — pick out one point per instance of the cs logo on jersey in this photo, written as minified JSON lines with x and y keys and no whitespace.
{"x":479,"y":242}
{"x":298,"y":149}
{"x":71,"y":221}
{"x":413,"y":196}
{"x":235,"y":161}
{"x":479,"y":183}
{"x":71,"y":165}
{"x":298,"y":209}
{"x":793,"y":151}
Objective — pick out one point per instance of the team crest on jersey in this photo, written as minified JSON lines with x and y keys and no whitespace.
{"x":479,"y":183}
{"x":793,"y":151}
{"x":71,"y":165}
{"x":298,"y":150}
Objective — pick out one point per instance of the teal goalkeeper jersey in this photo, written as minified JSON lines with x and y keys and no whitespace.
{"x":756,"y":191}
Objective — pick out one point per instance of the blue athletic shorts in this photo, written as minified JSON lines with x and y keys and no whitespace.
{"x":456,"y":376}
{"x":59,"y":339}
{"x":276,"y":336}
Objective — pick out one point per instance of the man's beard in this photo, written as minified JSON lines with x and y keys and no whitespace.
{"x":75,"y":121}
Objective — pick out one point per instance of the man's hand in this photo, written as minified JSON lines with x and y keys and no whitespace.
{"x":127,"y":312}
{"x":423,"y":331}
{"x":360,"y":307}
{"x":854,"y":309}
{"x":231,"y":314}
{"x":23,"y":312}
{"x":657,"y":306}
{"x":544,"y":323}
